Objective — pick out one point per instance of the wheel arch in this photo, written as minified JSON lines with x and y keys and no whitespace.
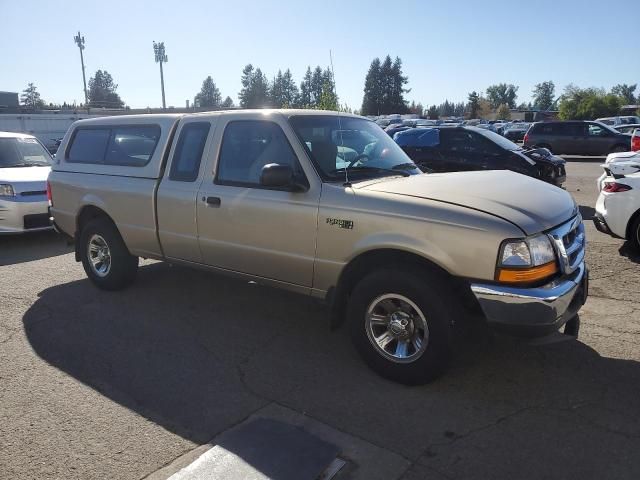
{"x":373,"y":259}
{"x":87,"y":213}
{"x":630,"y":223}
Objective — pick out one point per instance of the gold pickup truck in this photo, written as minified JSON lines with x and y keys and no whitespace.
{"x":327,"y":205}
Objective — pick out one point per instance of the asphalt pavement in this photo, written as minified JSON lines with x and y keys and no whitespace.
{"x":141,"y":383}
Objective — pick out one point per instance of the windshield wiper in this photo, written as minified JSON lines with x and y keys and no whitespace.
{"x":405,"y":166}
{"x":372,"y":169}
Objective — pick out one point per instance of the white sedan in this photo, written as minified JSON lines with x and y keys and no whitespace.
{"x":618,"y":206}
{"x":24,"y":167}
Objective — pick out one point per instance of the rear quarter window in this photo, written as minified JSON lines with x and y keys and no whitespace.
{"x":130,"y":146}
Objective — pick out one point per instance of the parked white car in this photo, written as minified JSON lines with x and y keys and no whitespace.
{"x":623,"y":120}
{"x":615,"y":158}
{"x":24,"y":167}
{"x":618,"y":205}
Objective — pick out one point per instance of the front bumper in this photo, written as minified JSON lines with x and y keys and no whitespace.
{"x":20,"y":215}
{"x":534,"y":311}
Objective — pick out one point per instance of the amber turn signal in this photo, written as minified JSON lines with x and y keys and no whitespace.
{"x":526,"y":275}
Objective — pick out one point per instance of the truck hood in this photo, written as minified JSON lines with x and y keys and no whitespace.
{"x":530,"y":204}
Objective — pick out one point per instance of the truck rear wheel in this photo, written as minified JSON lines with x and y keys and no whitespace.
{"x":105,"y":258}
{"x":400,"y":323}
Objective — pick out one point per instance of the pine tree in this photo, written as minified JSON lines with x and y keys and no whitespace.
{"x":371,"y":104}
{"x":228,"y":103}
{"x":255,"y":88}
{"x":31,"y":97}
{"x":474,"y":104}
{"x":102,"y":91}
{"x":317,"y":81}
{"x":209,"y":95}
{"x":305,"y":90}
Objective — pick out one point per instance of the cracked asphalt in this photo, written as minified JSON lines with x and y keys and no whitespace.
{"x":117,"y":385}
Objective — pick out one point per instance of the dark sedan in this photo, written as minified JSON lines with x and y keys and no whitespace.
{"x":452,"y":149}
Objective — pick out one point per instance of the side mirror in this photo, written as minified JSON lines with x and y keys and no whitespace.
{"x":275,"y":175}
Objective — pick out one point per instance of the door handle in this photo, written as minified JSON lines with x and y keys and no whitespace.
{"x":212,"y":201}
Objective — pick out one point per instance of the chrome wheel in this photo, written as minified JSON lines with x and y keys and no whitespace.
{"x":397,"y":328}
{"x":99,"y":255}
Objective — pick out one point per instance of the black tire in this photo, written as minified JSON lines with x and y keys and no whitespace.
{"x":634,"y":234}
{"x":123,"y":266}
{"x":430,"y":294}
{"x":620,"y":148}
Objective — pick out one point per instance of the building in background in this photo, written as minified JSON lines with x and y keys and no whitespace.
{"x":9,"y":101}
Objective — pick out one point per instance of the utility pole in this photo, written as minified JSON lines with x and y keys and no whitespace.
{"x":79,"y":39}
{"x":161,"y":58}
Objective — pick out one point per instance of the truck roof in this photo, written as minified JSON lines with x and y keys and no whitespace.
{"x":171,"y":117}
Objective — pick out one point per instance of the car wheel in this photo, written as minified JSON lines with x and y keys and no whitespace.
{"x":400,"y":323}
{"x":105,"y":258}
{"x":620,"y":148}
{"x":634,"y":234}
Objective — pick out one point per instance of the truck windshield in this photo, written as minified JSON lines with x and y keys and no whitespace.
{"x":343,"y":146}
{"x":23,"y":152}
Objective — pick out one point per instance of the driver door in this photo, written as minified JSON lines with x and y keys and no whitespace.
{"x":247,"y":228}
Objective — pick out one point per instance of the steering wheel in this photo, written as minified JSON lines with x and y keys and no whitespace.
{"x":357,"y":159}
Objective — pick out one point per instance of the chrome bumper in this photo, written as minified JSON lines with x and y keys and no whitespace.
{"x":534,"y":311}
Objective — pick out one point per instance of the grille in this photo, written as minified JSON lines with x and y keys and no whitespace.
{"x":569,"y":241}
{"x":40,"y":220}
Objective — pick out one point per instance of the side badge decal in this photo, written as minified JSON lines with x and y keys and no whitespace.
{"x":347,"y":224}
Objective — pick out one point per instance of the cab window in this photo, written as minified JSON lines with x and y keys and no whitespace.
{"x":188,"y":155}
{"x":249,"y":145}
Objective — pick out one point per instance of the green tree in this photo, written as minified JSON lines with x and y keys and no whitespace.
{"x":432,"y":112}
{"x":255,"y":88}
{"x":625,"y":92}
{"x":502,"y":93}
{"x":305,"y":90}
{"x":473,"y":106}
{"x":384,"y":88}
{"x":30,"y":97}
{"x":587,"y":103}
{"x":317,"y":83}
{"x":503,"y":112}
{"x":102,"y":91}
{"x":227,"y":103}
{"x":371,"y":102}
{"x":543,"y":95}
{"x":328,"y":97}
{"x":209,"y":95}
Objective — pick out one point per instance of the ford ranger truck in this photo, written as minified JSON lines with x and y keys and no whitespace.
{"x":327,"y":205}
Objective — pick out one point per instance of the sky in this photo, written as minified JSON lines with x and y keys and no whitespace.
{"x":448,"y":48}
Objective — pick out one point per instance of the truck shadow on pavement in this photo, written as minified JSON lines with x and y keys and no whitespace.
{"x":197,"y":353}
{"x":31,"y":246}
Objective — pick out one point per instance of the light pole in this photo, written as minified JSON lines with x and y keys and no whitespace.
{"x":161,"y":58}
{"x":79,"y":39}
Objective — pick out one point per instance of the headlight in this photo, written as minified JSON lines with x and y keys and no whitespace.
{"x":7,"y":190}
{"x":526,"y":261}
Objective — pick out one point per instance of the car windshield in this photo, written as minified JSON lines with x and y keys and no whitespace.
{"x":23,"y":152}
{"x":499,"y":139}
{"x":356,"y":148}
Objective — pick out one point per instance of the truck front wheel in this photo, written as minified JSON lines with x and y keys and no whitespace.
{"x":400,"y":322}
{"x":105,"y":257}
